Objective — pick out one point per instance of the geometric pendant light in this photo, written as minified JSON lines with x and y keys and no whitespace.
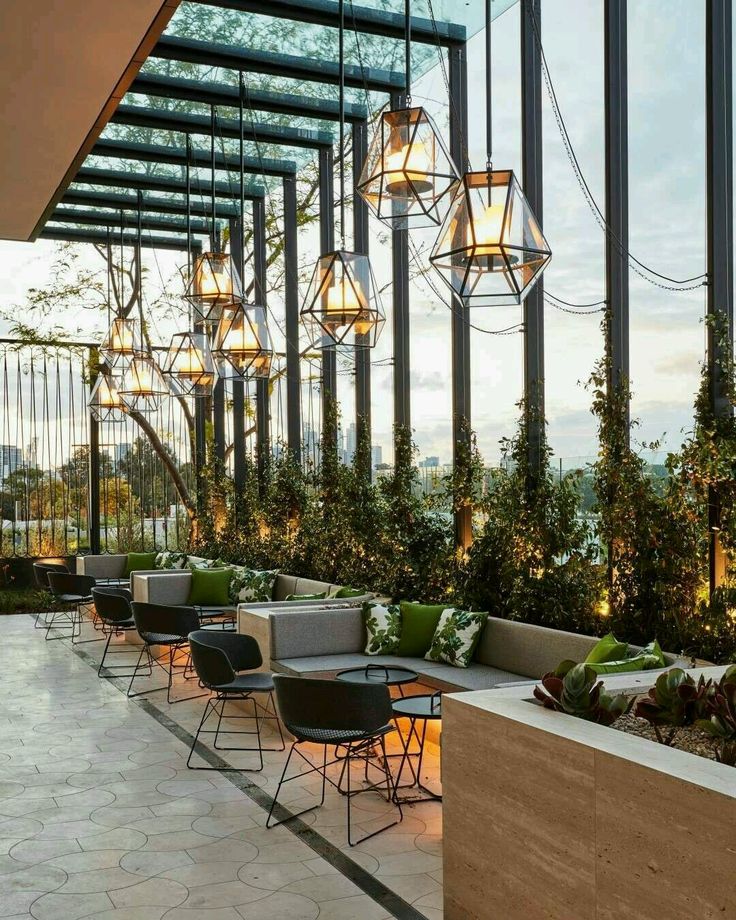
{"x":242,"y":346}
{"x":342,"y":306}
{"x":188,"y":367}
{"x":213,"y":284}
{"x":408,"y":172}
{"x":104,"y":402}
{"x":122,"y":342}
{"x":490,"y":249}
{"x":143,"y":387}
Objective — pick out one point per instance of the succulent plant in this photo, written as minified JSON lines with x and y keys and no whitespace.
{"x":675,"y":701}
{"x":574,"y":689}
{"x":720,"y":721}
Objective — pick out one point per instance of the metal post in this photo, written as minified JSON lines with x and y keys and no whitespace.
{"x":719,"y":154}
{"x":263,"y":408}
{"x":327,"y":244}
{"x":531,"y":131}
{"x":291,"y":306}
{"x":360,"y":244}
{"x":239,"y":465}
{"x":400,"y":279}
{"x":93,"y":492}
{"x":617,"y":189}
{"x":460,"y":320}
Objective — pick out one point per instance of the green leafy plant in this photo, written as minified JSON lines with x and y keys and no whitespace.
{"x":575,"y":690}
{"x":721,"y":717}
{"x":674,"y":702}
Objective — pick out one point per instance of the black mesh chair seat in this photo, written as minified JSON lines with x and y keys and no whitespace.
{"x":244,"y":683}
{"x":338,"y":736}
{"x":220,"y":659}
{"x":353,"y":717}
{"x":71,"y":591}
{"x":167,"y":626}
{"x":116,"y":615}
{"x":159,"y":638}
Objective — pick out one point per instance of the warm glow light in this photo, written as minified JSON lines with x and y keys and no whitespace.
{"x":344,"y":301}
{"x":409,"y":164}
{"x":488,"y":229}
{"x":189,"y":362}
{"x":604,"y":609}
{"x":212,"y":279}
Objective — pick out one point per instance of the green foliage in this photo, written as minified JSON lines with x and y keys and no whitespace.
{"x":26,"y":600}
{"x":720,"y":721}
{"x":577,"y":693}
{"x":650,"y":534}
{"x":675,"y":701}
{"x":534,"y":558}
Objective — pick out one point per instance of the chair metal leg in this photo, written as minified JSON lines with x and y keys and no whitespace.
{"x":114,"y":669}
{"x":283,"y":780}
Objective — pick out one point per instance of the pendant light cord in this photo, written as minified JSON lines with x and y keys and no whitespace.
{"x":241,"y":87}
{"x":489,"y":104}
{"x":341,"y":55}
{"x":213,"y":120}
{"x":188,"y":175}
{"x":407,"y":52}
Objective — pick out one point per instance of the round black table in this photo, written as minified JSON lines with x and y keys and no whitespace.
{"x":389,"y":675}
{"x":425,"y":708}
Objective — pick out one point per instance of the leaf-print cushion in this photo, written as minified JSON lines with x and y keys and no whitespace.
{"x":252,"y":585}
{"x":456,"y":637}
{"x":383,"y":628}
{"x":204,"y":564}
{"x":170,"y":560}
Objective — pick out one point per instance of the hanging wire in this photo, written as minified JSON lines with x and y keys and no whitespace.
{"x":341,"y":55}
{"x":674,"y":284}
{"x":489,"y":92}
{"x":407,"y":39}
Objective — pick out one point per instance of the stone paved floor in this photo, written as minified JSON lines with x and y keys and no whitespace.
{"x":100,"y":818}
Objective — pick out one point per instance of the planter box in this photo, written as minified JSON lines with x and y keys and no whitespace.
{"x":547,"y":816}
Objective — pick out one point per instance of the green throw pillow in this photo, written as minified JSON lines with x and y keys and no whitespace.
{"x":210,"y":587}
{"x":607,"y":649}
{"x":649,"y":657}
{"x":140,"y":562}
{"x":251,"y":585}
{"x":418,"y":625}
{"x":170,"y":560}
{"x":306,"y":597}
{"x":348,"y":592}
{"x":383,"y":628}
{"x":456,"y":637}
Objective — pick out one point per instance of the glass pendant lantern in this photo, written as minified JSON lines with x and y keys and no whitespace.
{"x":188,"y":367}
{"x":104,"y":402}
{"x":122,"y":342}
{"x":242,"y":345}
{"x":143,"y":388}
{"x":490,"y":250}
{"x":342,"y":306}
{"x":214,"y":282}
{"x":408,"y":172}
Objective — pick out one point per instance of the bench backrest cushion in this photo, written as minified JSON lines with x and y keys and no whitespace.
{"x":524,"y":648}
{"x":292,"y":584}
{"x":296,"y":634}
{"x":103,"y":566}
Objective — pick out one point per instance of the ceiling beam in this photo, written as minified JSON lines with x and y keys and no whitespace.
{"x":151,"y":205}
{"x":184,"y":123}
{"x":362,"y":18}
{"x":121,"y":178}
{"x":257,"y":100}
{"x":113,"y":221}
{"x":160,"y":153}
{"x":235,"y":57}
{"x":73,"y":235}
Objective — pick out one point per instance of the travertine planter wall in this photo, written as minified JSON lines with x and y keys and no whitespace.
{"x":547,"y":817}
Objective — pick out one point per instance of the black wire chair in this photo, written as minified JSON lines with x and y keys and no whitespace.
{"x":74,"y":592}
{"x":165,"y":627}
{"x":356,"y":717}
{"x":115,"y":613}
{"x":220,"y":658}
{"x":41,"y":577}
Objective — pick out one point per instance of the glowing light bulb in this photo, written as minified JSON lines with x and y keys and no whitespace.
{"x":189,"y":362}
{"x":213,"y":279}
{"x":408,"y":165}
{"x":344,"y":301}
{"x":488,"y":231}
